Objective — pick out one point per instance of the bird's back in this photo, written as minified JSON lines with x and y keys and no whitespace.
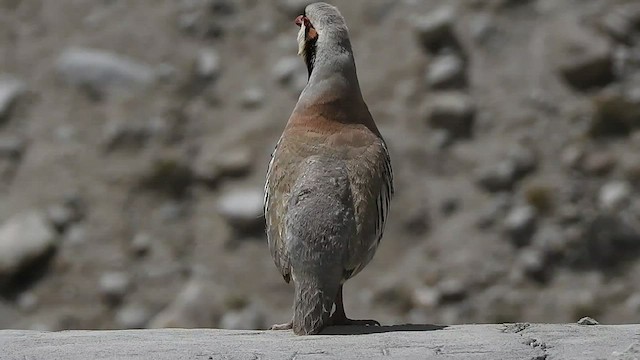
{"x":354,"y":148}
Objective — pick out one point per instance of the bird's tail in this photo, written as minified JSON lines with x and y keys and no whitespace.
{"x":313,"y":303}
{"x":320,"y":225}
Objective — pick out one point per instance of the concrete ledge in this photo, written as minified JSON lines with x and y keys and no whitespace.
{"x":508,"y":341}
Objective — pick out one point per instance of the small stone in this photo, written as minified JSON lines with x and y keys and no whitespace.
{"x":427,"y":297}
{"x":494,"y":211}
{"x":24,"y":238}
{"x":520,"y":224}
{"x":132,"y":317}
{"x":170,"y":175}
{"x":452,"y":290}
{"x":252,"y":98}
{"x":524,"y":160}
{"x":616,"y":112}
{"x":599,"y":163}
{"x":27,"y":301}
{"x":499,"y":177}
{"x":114,"y":286}
{"x":613,"y":195}
{"x":588,"y":321}
{"x":572,"y":156}
{"x":101,"y":71}
{"x":550,"y":241}
{"x":76,"y":235}
{"x":436,"y":29}
{"x":585,"y":59}
{"x":119,"y":134}
{"x":11,"y":89}
{"x":249,"y":318}
{"x":453,"y":112}
{"x":212,"y":164}
{"x":208,"y":64}
{"x":141,"y":244}
{"x":532,"y":263}
{"x":446,"y":72}
{"x":62,"y":216}
{"x":192,"y":308}
{"x":620,"y":22}
{"x":242,"y":209}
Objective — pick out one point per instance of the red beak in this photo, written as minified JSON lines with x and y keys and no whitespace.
{"x":301,"y":19}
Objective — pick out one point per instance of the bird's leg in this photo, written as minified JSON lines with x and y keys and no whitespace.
{"x":340,"y":318}
{"x":285,"y":326}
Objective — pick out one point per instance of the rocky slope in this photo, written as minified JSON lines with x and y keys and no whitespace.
{"x":134,"y":138}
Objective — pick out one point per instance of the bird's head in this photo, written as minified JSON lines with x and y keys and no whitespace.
{"x":323,"y":31}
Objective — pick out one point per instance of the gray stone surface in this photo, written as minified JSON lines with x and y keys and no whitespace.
{"x":511,"y":341}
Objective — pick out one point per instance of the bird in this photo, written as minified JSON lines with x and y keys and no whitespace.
{"x":329,"y":182}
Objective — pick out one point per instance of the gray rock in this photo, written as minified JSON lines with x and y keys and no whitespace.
{"x":114,"y":286}
{"x":520,"y":224}
{"x":532,"y":264}
{"x":252,"y":98}
{"x":101,"y":71}
{"x":62,"y":216}
{"x":620,"y":22}
{"x":141,"y":244}
{"x":478,"y":342}
{"x":493,"y":211}
{"x":572,"y":156}
{"x":212,"y":164}
{"x":132,"y":316}
{"x":452,"y":111}
{"x":452,"y":290}
{"x":242,"y":209}
{"x":616,"y":111}
{"x":524,"y":160}
{"x":249,"y":318}
{"x":598,"y":163}
{"x":11,"y":89}
{"x":499,"y":177}
{"x":118,"y":134}
{"x":436,"y":29}
{"x":445,"y":72}
{"x":194,"y":307}
{"x":613,"y":195}
{"x":426,"y":297}
{"x":550,"y":241}
{"x":27,"y":301}
{"x":588,"y":321}
{"x":585,"y":59}
{"x":208,"y":64}
{"x":24,"y":238}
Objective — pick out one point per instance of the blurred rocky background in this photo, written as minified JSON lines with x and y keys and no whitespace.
{"x":135,"y":136}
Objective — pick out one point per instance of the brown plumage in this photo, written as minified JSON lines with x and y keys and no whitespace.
{"x":329,"y":181}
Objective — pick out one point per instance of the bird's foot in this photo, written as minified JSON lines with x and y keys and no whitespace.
{"x":343,"y":320}
{"x":285,"y":326}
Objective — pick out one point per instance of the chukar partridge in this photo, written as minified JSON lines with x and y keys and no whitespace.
{"x":329,"y":182}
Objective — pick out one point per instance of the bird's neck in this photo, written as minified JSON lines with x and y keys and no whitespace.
{"x":332,"y":79}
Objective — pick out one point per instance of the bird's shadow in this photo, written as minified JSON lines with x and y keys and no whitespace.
{"x":362,"y":330}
